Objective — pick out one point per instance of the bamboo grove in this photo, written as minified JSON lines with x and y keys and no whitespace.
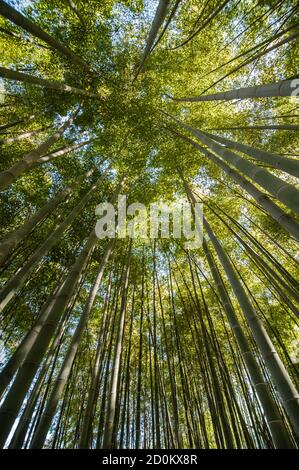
{"x":144,"y":343}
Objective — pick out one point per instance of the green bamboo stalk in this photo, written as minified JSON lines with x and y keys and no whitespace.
{"x":282,"y":88}
{"x":20,"y":20}
{"x":9,"y":176}
{"x":40,"y":434}
{"x":285,"y":387}
{"x":11,"y":240}
{"x":289,"y":165}
{"x":15,"y":283}
{"x":51,"y":84}
{"x":16,"y":394}
{"x":283,"y":191}
{"x":286,"y":221}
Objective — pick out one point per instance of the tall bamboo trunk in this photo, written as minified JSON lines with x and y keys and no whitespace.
{"x":77,"y":13}
{"x":260,"y":54}
{"x":115,"y":373}
{"x":87,"y":431}
{"x":204,"y":24}
{"x":11,"y":240}
{"x":287,"y":281}
{"x":156,"y":364}
{"x":277,"y":428}
{"x":24,"y":120}
{"x":23,"y":425}
{"x":289,"y":165}
{"x":11,"y":287}
{"x":12,"y":124}
{"x":62,"y":151}
{"x":19,"y":355}
{"x":286,"y":389}
{"x":219,"y":398}
{"x":41,"y":432}
{"x":53,"y":85}
{"x":283,"y":127}
{"x":280,"y":189}
{"x":86,"y":440}
{"x":286,"y":221}
{"x":14,"y":398}
{"x":282,"y":88}
{"x":269,"y":272}
{"x":139,"y":372}
{"x":156,"y":24}
{"x":23,"y":135}
{"x":9,"y":176}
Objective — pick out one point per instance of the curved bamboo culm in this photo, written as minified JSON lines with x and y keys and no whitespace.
{"x":53,"y":85}
{"x":288,"y":393}
{"x":289,"y":165}
{"x":11,"y":287}
{"x":9,"y":176}
{"x":287,"y":222}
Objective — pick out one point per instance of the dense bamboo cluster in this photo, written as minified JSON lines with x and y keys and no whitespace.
{"x":133,"y":343}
